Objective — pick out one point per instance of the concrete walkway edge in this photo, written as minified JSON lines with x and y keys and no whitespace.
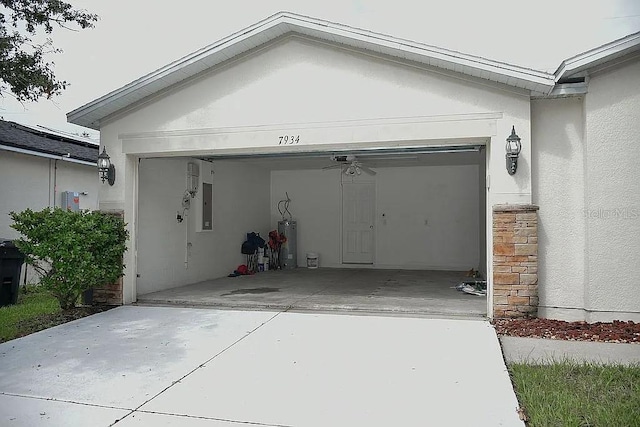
{"x":547,"y":351}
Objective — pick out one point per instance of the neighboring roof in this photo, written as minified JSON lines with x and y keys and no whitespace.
{"x":578,"y":65}
{"x":285,"y":23}
{"x":27,"y":139}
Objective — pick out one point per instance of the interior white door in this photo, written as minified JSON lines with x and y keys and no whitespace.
{"x":358,"y":215}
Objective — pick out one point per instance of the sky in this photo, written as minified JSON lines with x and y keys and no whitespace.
{"x":135,"y":37}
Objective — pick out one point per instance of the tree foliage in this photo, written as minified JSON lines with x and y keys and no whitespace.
{"x":71,"y":251}
{"x":24,"y":70}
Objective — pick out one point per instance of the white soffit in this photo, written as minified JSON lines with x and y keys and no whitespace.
{"x":579,"y":65}
{"x":282,"y":23}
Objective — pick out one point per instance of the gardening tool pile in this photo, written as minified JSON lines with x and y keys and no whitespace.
{"x":275,"y":243}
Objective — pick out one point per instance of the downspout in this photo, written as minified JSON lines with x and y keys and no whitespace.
{"x":55,"y":182}
{"x":49,"y":188}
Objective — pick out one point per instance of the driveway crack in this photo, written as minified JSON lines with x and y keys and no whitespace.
{"x":200,"y":366}
{"x":53,"y":399}
{"x":250,"y":423}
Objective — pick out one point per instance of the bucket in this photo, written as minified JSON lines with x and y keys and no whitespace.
{"x":312,"y":260}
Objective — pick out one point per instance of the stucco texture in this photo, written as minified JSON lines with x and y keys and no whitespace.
{"x":613,"y":188}
{"x":587,"y":183}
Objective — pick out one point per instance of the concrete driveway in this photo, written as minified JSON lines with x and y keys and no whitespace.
{"x":165,"y":366}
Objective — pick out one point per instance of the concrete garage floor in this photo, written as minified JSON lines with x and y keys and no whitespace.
{"x":410,"y":292}
{"x":169,"y":366}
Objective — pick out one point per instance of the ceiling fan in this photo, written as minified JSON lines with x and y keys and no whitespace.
{"x":349,"y":165}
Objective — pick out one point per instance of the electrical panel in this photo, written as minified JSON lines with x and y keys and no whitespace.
{"x":207,"y":212}
{"x":204,"y":197}
{"x":71,"y":201}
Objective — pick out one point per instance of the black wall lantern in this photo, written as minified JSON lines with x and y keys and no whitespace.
{"x":513,"y":151}
{"x":106,"y":170}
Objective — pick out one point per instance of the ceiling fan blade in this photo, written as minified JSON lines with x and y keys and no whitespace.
{"x":367,"y":170}
{"x":399,"y":157}
{"x":332,"y":167}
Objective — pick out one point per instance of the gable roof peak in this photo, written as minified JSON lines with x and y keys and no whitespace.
{"x":284,"y":23}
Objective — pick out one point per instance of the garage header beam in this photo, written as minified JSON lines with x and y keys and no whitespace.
{"x":357,"y":152}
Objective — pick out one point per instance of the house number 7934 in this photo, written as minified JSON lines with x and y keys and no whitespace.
{"x":289,"y":139}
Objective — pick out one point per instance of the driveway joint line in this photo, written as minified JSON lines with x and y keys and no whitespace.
{"x":200,"y":366}
{"x":291,"y":306}
{"x":53,"y":399}
{"x":200,"y":417}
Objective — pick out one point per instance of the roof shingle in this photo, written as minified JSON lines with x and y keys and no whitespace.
{"x":19,"y":136}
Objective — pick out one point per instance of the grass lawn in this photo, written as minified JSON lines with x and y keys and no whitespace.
{"x":570,"y":394}
{"x":16,"y":320}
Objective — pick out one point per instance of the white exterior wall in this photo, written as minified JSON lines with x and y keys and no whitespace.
{"x":24,"y":183}
{"x":587,"y":184}
{"x":612,"y":109}
{"x":33,"y":182}
{"x":240,"y":205}
{"x":36,"y":183}
{"x":332,"y":98}
{"x":558,"y":188}
{"x":431,"y":215}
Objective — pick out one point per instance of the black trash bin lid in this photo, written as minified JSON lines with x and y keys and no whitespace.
{"x":6,"y":243}
{"x":8,"y":250}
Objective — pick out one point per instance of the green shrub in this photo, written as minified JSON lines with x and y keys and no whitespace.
{"x":71,"y":251}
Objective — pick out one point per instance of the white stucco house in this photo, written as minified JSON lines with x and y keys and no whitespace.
{"x":41,"y":168}
{"x":262,"y":112}
{"x":38,"y":165}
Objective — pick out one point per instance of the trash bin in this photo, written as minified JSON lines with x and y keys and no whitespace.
{"x":11,"y":260}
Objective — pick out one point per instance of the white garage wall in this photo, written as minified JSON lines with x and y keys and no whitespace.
{"x":316,"y":205}
{"x":432,"y":217}
{"x":446,"y":197}
{"x":482,"y":229}
{"x":240,"y":205}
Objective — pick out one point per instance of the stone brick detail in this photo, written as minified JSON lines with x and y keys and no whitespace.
{"x":515,"y":260}
{"x":109,"y":294}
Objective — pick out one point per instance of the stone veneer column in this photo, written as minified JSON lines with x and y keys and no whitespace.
{"x":109,"y":294}
{"x":515,"y":261}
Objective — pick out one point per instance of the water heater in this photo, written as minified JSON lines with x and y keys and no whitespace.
{"x":193,"y":173}
{"x":289,"y":249}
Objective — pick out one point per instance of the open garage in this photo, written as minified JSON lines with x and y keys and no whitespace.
{"x":398,"y":234}
{"x":300,"y":108}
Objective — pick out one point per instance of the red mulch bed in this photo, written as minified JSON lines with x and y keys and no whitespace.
{"x":616,"y":331}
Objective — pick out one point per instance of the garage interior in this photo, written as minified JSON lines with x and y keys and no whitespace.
{"x":424,"y":215}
